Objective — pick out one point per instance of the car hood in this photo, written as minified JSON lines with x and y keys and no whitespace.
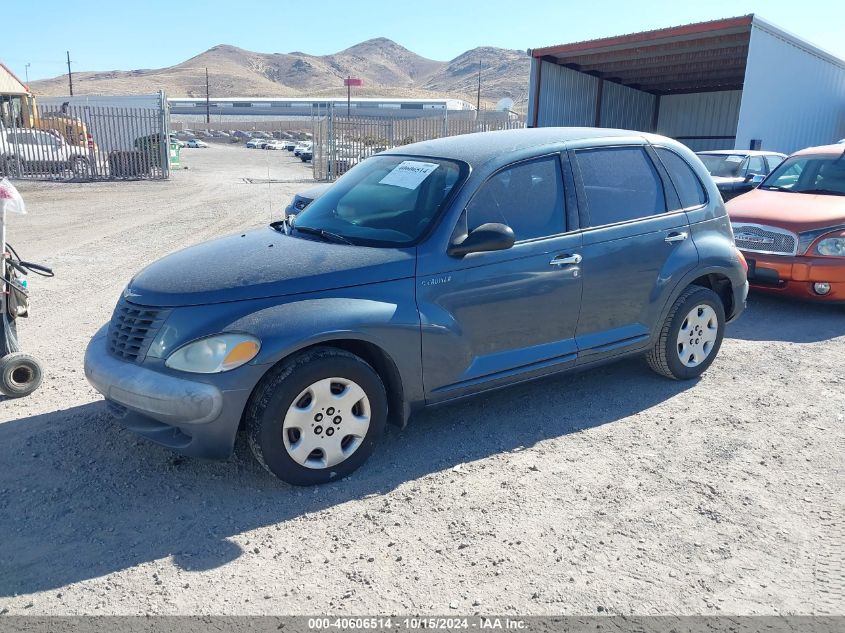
{"x":263,"y":263}
{"x":725,"y":180}
{"x":795,"y":212}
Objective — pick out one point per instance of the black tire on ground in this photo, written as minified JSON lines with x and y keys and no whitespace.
{"x":664,"y":357}
{"x":9,"y":166}
{"x":266,"y":410}
{"x":20,"y":375}
{"x":80,"y":167}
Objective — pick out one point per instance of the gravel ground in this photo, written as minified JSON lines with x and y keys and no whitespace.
{"x":613,"y":491}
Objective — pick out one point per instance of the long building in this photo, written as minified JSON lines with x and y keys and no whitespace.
{"x":733,"y":83}
{"x":275,"y":106}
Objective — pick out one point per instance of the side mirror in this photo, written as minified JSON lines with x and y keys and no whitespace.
{"x":487,"y":237}
{"x":755,"y":179}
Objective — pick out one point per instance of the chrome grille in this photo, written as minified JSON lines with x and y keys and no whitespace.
{"x":757,"y":238}
{"x":132,"y":329}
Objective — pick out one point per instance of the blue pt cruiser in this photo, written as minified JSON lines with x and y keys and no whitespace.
{"x":428,"y":273}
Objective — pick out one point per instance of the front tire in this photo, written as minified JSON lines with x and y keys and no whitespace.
{"x":80,"y":167}
{"x":317,"y":417}
{"x":691,"y":335}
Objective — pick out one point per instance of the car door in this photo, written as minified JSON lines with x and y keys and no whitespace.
{"x":635,"y":246}
{"x":496,"y":317}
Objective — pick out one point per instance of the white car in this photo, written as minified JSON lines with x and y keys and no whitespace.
{"x":274,"y":145}
{"x":24,"y":150}
{"x":301,"y":147}
{"x":257,"y":143}
{"x":195,"y":142}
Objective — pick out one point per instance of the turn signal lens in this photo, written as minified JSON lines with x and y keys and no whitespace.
{"x":241,"y":353}
{"x":215,"y":354}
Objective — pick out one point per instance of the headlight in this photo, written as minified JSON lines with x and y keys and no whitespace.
{"x":214,"y":354}
{"x":834,"y":246}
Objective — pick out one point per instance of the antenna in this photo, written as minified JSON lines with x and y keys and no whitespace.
{"x":504,"y":104}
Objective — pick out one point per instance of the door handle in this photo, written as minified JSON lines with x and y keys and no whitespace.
{"x":566,"y":260}
{"x":676,"y":237}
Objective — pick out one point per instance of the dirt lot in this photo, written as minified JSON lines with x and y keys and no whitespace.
{"x":614,"y":491}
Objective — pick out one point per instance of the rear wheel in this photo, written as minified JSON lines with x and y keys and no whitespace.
{"x":317,"y":417}
{"x":691,"y":335}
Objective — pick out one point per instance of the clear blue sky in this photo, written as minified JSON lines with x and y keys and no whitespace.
{"x":155,"y":33}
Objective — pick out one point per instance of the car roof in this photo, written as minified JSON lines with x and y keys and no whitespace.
{"x":480,"y":147}
{"x":741,"y":152}
{"x":831,"y":150}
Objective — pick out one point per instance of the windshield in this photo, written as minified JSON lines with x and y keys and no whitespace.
{"x":723,"y":165}
{"x":809,"y":174}
{"x":384,"y":200}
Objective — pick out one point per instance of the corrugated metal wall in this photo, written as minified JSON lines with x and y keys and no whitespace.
{"x":567,"y":97}
{"x":794,"y":95}
{"x":627,"y":108}
{"x":701,"y":114}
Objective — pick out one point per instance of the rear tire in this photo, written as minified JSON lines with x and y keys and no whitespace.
{"x":316,"y":417}
{"x":20,"y":375}
{"x":691,"y":335}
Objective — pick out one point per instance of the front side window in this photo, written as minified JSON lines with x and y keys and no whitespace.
{"x":756,"y":166}
{"x":527,"y":197}
{"x":824,"y":175}
{"x":620,"y":184}
{"x":689,"y":188}
{"x":774,"y":161}
{"x":384,"y":200}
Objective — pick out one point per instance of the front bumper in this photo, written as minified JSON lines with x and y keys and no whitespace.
{"x":794,"y":276}
{"x":196,"y":418}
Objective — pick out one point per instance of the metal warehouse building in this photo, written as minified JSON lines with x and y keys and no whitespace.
{"x":733,"y":83}
{"x":280,"y":106}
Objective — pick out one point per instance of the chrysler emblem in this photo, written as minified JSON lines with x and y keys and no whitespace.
{"x":753,"y":239}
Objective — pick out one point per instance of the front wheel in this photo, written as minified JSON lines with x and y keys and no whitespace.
{"x":691,"y":335}
{"x":317,"y":417}
{"x":80,"y":167}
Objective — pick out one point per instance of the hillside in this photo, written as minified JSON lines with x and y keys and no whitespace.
{"x":387,"y":69}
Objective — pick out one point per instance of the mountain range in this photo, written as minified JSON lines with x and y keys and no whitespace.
{"x":388,"y":70}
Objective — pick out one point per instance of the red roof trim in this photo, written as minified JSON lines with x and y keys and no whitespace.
{"x":14,"y":76}
{"x":645,"y":36}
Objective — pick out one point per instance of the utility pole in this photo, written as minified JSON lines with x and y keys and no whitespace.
{"x":69,"y":75}
{"x":26,"y":70}
{"x":207,"y":99}
{"x":478,"y":92}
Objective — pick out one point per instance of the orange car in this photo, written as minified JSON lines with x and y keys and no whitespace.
{"x":791,"y":228}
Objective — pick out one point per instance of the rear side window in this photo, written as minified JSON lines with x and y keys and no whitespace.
{"x":528,"y":197}
{"x":687,"y":184}
{"x":620,"y":184}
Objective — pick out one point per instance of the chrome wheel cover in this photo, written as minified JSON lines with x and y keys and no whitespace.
{"x":697,"y":335}
{"x":326,"y":423}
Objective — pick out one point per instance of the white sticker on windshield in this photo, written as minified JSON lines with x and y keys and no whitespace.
{"x":734,"y":159}
{"x":408,"y":174}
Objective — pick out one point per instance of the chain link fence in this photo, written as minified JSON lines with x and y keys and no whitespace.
{"x":85,"y":143}
{"x":340,"y":142}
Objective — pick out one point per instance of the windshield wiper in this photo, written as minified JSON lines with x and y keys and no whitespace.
{"x":326,"y":235}
{"x":826,"y":192}
{"x":283,"y":226}
{"x":777,"y":188}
